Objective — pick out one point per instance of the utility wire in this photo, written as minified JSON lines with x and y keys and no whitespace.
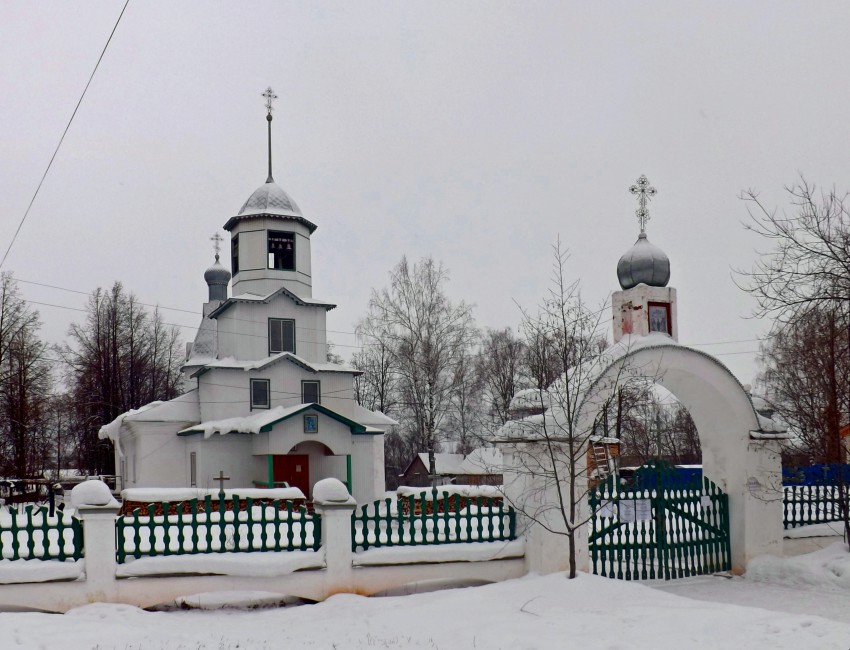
{"x":67,"y":126}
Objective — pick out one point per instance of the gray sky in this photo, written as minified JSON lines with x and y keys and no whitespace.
{"x":476,"y":132}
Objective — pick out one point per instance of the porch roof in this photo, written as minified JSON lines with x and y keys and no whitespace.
{"x":264,"y":421}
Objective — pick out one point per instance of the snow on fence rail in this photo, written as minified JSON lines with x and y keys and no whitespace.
{"x":31,"y":533}
{"x":454,"y":519}
{"x":207,"y":526}
{"x":811,"y":504}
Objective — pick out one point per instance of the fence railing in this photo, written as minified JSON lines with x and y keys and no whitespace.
{"x":445,"y":519}
{"x":811,"y":504}
{"x":207,"y":526}
{"x":29,"y":533}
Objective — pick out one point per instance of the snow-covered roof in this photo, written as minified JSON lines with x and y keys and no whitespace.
{"x":483,"y":460}
{"x":529,"y":399}
{"x":263,"y":421}
{"x":206,"y":341}
{"x":269,"y":200}
{"x":377,"y":418}
{"x":257,"y":299}
{"x":443,"y":463}
{"x":258,"y":364}
{"x":183,"y":408}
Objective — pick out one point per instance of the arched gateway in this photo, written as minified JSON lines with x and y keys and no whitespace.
{"x":741,"y":458}
{"x":740,"y":448}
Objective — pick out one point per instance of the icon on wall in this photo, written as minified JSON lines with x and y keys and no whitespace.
{"x":311,"y":424}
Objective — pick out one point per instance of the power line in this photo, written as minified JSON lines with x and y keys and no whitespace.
{"x":62,"y":139}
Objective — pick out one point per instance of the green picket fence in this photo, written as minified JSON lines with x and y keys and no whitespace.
{"x":31,"y":533}
{"x":811,"y":504}
{"x":206,"y":526}
{"x":447,"y":520}
{"x":676,"y":528}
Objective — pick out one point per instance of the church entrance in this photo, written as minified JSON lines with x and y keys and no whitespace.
{"x":294,"y":469}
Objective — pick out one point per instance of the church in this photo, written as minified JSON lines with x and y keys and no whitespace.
{"x":262,"y":403}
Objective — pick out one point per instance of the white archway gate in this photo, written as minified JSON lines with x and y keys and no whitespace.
{"x":741,"y":459}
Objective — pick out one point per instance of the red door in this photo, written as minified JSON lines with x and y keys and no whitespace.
{"x":294,"y":469}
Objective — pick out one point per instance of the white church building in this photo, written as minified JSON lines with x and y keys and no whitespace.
{"x":262,"y":403}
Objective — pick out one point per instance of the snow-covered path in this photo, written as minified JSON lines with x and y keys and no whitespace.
{"x":532,"y":612}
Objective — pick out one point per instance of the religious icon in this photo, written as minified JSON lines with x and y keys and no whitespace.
{"x":311,"y":424}
{"x":658,"y":319}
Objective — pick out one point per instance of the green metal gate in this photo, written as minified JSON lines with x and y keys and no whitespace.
{"x":662,"y":524}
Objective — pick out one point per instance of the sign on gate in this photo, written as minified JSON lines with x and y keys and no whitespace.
{"x":662,"y":525}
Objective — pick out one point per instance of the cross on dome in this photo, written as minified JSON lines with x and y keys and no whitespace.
{"x":270,"y":97}
{"x":644,"y":191}
{"x":216,"y":239}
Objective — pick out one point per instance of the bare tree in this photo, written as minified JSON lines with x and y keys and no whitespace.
{"x":426,"y":336}
{"x":120,"y":358}
{"x":803,"y":279}
{"x":562,"y":337}
{"x":500,"y":367}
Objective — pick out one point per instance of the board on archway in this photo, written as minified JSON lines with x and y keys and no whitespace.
{"x":660,"y":524}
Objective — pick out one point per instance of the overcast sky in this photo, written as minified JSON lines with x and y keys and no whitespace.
{"x":474,"y":132}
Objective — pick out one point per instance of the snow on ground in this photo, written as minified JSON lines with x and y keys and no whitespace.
{"x":532,"y":612}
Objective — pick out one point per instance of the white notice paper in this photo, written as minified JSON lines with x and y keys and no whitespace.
{"x":606,"y":509}
{"x":643,"y":509}
{"x":705,"y":501}
{"x":627,"y":510}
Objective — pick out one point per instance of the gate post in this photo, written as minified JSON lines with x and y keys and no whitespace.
{"x":335,"y":506}
{"x":537,"y":485}
{"x":763,"y":529}
{"x":97,"y":510}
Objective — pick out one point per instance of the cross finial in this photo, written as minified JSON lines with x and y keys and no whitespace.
{"x":270,"y":97}
{"x":216,"y":239}
{"x":644,"y":191}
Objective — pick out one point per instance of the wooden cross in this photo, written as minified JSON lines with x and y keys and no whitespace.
{"x":270,"y":97}
{"x":644,"y":191}
{"x":221,"y":478}
{"x":216,"y":239}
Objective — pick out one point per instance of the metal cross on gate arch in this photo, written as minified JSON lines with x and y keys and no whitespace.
{"x":644,"y":191}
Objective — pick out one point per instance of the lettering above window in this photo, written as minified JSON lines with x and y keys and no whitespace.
{"x":281,"y":335}
{"x":281,"y":249}
{"x":260,"y":394}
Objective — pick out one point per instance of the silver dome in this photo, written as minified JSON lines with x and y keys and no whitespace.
{"x":270,"y":198}
{"x":217,"y":278}
{"x":645,"y":264}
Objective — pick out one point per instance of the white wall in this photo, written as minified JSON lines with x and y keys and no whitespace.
{"x":224,"y":392}
{"x":243,"y":331}
{"x":160,"y":455}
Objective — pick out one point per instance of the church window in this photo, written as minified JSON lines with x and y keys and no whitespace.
{"x":193,"y":469}
{"x":311,"y":392}
{"x":659,"y":317}
{"x":281,"y":250}
{"x":281,"y":335}
{"x":234,"y":254}
{"x":260,"y":394}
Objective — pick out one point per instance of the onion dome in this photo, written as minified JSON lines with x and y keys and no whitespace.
{"x":217,"y":278}
{"x":645,"y":264}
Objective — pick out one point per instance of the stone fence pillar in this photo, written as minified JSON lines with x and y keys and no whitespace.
{"x":95,"y":506}
{"x":335,"y":506}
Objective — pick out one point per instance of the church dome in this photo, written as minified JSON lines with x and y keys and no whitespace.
{"x":645,"y":264}
{"x":217,"y":274}
{"x":270,"y":198}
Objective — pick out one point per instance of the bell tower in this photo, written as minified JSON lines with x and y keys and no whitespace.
{"x":270,"y":238}
{"x":646,"y":305}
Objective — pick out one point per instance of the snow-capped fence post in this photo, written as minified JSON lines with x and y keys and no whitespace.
{"x":335,"y":506}
{"x":542,"y":500}
{"x":95,"y":506}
